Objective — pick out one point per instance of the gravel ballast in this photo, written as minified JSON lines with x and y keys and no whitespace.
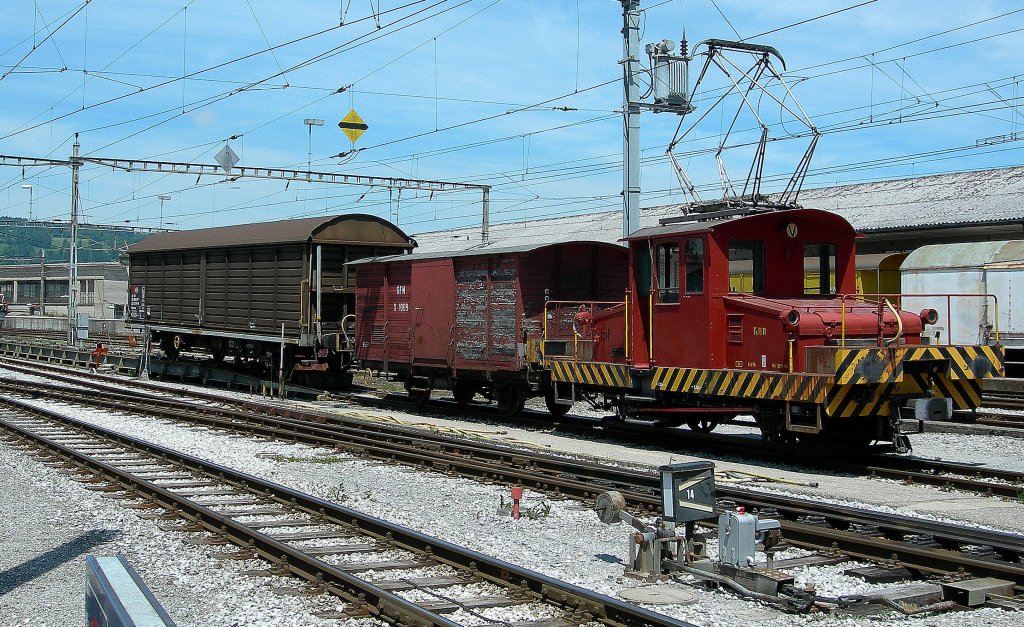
{"x":565,"y":540}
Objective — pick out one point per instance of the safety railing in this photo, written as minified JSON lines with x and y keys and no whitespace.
{"x":570,"y":324}
{"x":893,"y":303}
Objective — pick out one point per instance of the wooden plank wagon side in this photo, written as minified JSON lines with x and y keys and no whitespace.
{"x":236,"y":290}
{"x":466,"y":321}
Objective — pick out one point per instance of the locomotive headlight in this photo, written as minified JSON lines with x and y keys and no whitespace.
{"x":929,"y":316}
{"x":793,"y":317}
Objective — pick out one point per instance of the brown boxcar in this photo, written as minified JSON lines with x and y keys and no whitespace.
{"x":463,"y":321}
{"x":229,"y":290}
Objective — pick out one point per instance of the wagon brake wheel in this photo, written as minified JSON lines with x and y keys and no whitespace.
{"x":703,"y":423}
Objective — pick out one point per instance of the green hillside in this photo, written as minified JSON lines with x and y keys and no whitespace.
{"x":20,"y":242}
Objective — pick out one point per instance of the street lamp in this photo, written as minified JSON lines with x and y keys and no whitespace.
{"x":162,"y":199}
{"x":311,"y":122}
{"x":29,"y":188}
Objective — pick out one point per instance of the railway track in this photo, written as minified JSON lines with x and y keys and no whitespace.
{"x":941,"y":474}
{"x":1003,"y":400}
{"x":925,"y":546}
{"x":1004,"y":394}
{"x":363,"y":560}
{"x":33,"y":336}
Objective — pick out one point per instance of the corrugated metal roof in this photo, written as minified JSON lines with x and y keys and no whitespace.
{"x":477,"y":252}
{"x":944,"y":199}
{"x":601,"y":227}
{"x":342,"y":229}
{"x":964,"y":255}
{"x":959,"y":198}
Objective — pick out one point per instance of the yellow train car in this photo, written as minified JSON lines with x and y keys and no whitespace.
{"x":876,"y":274}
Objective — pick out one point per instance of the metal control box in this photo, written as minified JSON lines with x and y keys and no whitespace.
{"x":736,"y":539}
{"x":738,"y":535}
{"x":688,"y":492}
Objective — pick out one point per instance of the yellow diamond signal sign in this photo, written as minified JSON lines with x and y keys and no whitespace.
{"x":353,"y":126}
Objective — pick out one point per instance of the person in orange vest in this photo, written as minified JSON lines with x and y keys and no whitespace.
{"x":98,"y":355}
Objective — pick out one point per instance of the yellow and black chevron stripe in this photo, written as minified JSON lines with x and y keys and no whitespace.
{"x":872,"y":399}
{"x":809,"y":388}
{"x":858,"y":366}
{"x":966,"y":393}
{"x":589,"y":373}
{"x":849,"y":401}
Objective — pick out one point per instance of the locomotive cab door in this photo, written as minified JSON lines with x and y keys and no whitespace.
{"x":681,"y":307}
{"x":670,"y":313}
{"x":643,"y":301}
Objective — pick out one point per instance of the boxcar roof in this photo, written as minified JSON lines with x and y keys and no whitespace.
{"x":359,"y":229}
{"x":485,"y":252}
{"x":965,"y":255}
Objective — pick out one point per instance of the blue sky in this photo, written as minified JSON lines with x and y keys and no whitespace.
{"x":475,"y":91}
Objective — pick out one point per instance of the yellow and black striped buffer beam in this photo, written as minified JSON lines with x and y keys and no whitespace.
{"x":859,"y":366}
{"x":965,"y":393}
{"x":741,"y":384}
{"x":849,"y":401}
{"x":589,"y":373}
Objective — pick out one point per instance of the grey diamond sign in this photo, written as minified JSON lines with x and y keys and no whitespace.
{"x":226,"y":158}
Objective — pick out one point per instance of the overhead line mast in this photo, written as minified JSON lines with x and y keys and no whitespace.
{"x":669,"y":87}
{"x":76,"y":161}
{"x":631,"y":117}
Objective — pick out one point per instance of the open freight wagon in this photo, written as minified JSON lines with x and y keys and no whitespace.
{"x":229,"y":291}
{"x":463,"y":321}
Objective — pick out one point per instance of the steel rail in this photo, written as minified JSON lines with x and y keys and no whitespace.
{"x":572,"y":478}
{"x":580,"y":604}
{"x":942,"y":474}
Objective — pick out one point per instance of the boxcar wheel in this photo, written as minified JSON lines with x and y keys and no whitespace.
{"x":511,"y":399}
{"x":557,"y":410}
{"x":217,"y":353}
{"x":463,"y":393}
{"x":172,"y":347}
{"x":418,"y":395}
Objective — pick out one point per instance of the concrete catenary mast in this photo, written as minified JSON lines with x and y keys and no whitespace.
{"x":631,"y":117}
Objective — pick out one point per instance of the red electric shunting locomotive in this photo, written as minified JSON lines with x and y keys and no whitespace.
{"x":704,"y":317}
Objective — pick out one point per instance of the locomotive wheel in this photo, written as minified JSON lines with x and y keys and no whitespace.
{"x":703,"y":423}
{"x":511,"y":399}
{"x":772,"y":426}
{"x":557,"y":410}
{"x":463,"y":393}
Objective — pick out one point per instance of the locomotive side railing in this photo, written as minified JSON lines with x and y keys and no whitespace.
{"x":572,"y":320}
{"x":893,"y":303}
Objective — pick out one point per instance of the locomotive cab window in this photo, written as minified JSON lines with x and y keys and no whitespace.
{"x":746,"y":266}
{"x":668,"y":273}
{"x":819,"y":268}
